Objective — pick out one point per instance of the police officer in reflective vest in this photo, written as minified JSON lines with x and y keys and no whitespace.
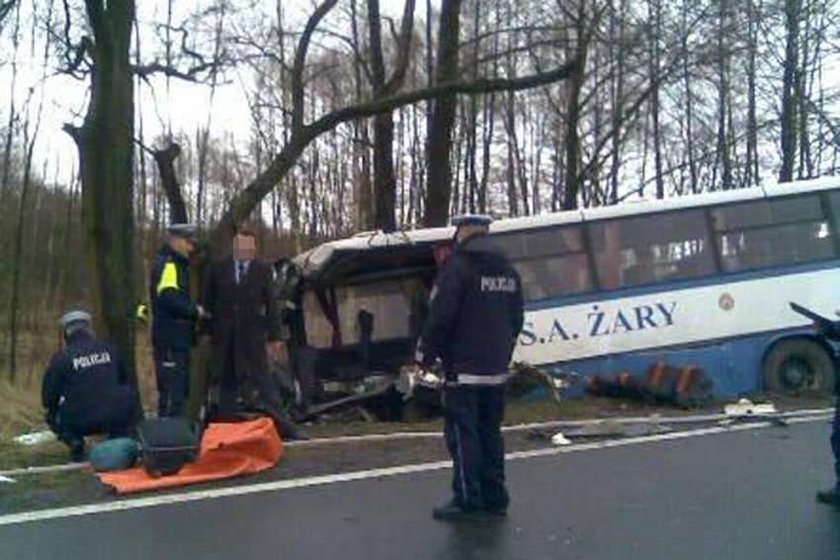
{"x":173,"y":318}
{"x":475,"y":316}
{"x":86,"y":388}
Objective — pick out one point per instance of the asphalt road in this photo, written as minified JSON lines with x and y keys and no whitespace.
{"x":742,"y":495}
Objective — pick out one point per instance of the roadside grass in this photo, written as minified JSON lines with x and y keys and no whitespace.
{"x":21,"y":410}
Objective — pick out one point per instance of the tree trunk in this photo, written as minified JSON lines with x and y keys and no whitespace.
{"x":654,"y":103}
{"x":106,"y":163}
{"x":789,"y":104}
{"x":573,"y":180}
{"x":438,"y":191}
{"x":805,"y":169}
{"x":384,"y":179}
{"x":723,"y":148}
{"x":10,"y":125}
{"x":689,"y":106}
{"x":165,"y":160}
{"x":751,"y":171}
{"x":17,"y":261}
{"x":363,"y":193}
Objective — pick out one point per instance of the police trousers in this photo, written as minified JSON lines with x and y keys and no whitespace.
{"x":835,"y":440}
{"x":119,"y":419}
{"x":172,"y":372}
{"x":473,"y":436}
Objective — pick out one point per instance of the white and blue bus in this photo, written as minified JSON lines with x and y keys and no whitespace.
{"x":704,"y":280}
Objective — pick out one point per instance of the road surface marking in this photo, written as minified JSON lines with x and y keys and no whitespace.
{"x":151,"y":501}
{"x":558,"y":424}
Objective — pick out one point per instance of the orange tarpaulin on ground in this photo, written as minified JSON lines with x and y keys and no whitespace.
{"x":227,"y":450}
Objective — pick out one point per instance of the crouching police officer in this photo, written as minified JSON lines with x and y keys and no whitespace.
{"x":173,"y":318}
{"x":475,"y":317}
{"x":86,"y":389}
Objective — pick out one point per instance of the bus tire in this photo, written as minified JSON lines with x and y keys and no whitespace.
{"x":798,"y":365}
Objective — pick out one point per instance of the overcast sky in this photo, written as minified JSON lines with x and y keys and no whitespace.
{"x":185,"y":106}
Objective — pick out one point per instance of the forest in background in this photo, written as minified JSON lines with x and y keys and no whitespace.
{"x":365,"y":118}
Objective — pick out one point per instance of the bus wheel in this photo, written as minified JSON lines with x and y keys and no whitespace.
{"x":798,"y":365}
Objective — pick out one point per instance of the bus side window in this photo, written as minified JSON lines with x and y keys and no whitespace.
{"x":777,"y":232}
{"x":651,"y":248}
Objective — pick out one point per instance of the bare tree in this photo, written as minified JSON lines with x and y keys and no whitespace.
{"x":30,"y":136}
{"x":792,"y":14}
{"x":439,"y":142}
{"x":384,"y":180}
{"x":302,"y":133}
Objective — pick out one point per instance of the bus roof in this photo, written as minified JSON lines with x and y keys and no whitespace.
{"x":311,"y":261}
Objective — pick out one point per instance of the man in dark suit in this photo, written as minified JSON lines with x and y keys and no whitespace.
{"x":237,"y":295}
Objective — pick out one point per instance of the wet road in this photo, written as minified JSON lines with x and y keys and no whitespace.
{"x":741,"y":495}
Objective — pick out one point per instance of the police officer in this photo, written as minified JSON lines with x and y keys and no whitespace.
{"x":831,"y":495}
{"x":86,"y":389}
{"x":173,"y":318}
{"x":475,"y":317}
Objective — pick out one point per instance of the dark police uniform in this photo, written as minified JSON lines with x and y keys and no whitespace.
{"x":86,"y":391}
{"x":835,"y":424}
{"x":173,"y":320}
{"x":832,"y":495}
{"x":475,"y":317}
{"x":835,"y":440}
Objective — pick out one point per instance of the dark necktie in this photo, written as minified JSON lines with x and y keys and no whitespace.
{"x":240,"y":269}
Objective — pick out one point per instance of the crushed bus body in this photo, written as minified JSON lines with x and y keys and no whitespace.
{"x":703,"y":281}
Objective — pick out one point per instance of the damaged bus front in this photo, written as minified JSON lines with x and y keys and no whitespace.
{"x":352,"y":310}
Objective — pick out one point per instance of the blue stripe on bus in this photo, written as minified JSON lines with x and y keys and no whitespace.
{"x":675,"y":285}
{"x":734,"y":365}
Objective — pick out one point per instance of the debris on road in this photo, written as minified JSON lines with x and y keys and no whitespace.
{"x":35,"y":438}
{"x":600,"y":429}
{"x":685,"y":386}
{"x":560,"y":439}
{"x":746,"y":407}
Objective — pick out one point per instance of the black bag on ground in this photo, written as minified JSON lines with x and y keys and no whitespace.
{"x":167,"y":444}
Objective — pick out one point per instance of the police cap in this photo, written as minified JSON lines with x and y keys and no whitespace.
{"x":184,"y":230}
{"x":471,"y":220}
{"x":75,"y":317}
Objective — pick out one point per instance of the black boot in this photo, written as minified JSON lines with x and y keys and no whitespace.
{"x":287,"y":430}
{"x":77,"y":450}
{"x":452,"y":511}
{"x":830,"y":497}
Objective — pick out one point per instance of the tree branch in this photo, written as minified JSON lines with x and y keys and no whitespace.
{"x":190,"y":75}
{"x":300,"y":60}
{"x":165,"y":160}
{"x":386,"y":104}
{"x":5,"y":10}
{"x":250,"y":197}
{"x":403,"y":49}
